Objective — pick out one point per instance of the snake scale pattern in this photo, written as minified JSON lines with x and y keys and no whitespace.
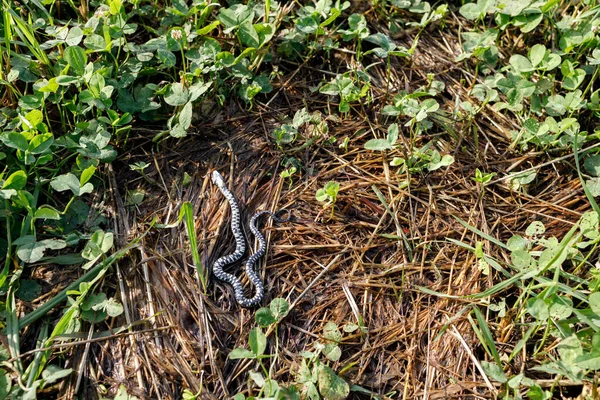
{"x":240,"y":248}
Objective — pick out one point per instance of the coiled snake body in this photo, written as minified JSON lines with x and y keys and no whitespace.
{"x":240,"y":248}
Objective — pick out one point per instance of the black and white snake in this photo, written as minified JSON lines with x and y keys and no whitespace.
{"x":240,"y":248}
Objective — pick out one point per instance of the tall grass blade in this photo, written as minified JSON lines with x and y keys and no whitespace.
{"x":191,"y":232}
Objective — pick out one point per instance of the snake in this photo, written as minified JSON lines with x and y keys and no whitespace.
{"x":240,"y":247}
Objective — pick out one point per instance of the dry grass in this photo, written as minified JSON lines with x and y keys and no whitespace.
{"x":417,"y":345}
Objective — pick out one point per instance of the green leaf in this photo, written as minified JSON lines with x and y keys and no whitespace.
{"x":34,"y":117}
{"x":257,"y":341}
{"x":113,"y":308}
{"x":589,"y":224}
{"x":33,"y":252}
{"x":264,"y":317}
{"x":100,"y":243}
{"x":177,"y":95}
{"x":332,"y":332}
{"x":536,"y":228}
{"x":16,"y":140}
{"x":239,"y":353}
{"x":331,"y":386}
{"x":29,"y":290}
{"x":494,"y":371}
{"x":47,"y":212}
{"x":70,"y":182}
{"x":257,"y":377}
{"x":590,"y":361}
{"x":593,"y":186}
{"x":198,"y":89}
{"x":332,"y":351}
{"x":594,"y":300}
{"x":5,"y":384}
{"x":115,"y":6}
{"x":538,"y":309}
{"x":87,"y":174}
{"x":185,"y":117}
{"x":74,"y":36}
{"x":521,"y":259}
{"x":592,"y":165}
{"x":378,"y":145}
{"x":248,"y":35}
{"x":561,"y":307}
{"x":521,"y":64}
{"x":321,"y":195}
{"x":76,"y":58}
{"x":53,"y":373}
{"x":40,"y":143}
{"x":279,"y":308}
{"x":536,"y":54}
{"x":17,"y":181}
{"x":570,"y":349}
{"x":445,"y":161}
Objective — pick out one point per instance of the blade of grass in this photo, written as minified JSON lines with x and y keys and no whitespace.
{"x":488,"y":339}
{"x":478,"y":232}
{"x":27,"y":36}
{"x":12,"y":328}
{"x":188,"y":213}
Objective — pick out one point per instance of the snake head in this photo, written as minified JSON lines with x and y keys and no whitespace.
{"x":218,"y":179}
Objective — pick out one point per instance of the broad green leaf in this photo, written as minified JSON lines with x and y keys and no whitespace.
{"x":378,"y":145}
{"x":590,"y":361}
{"x":521,"y":258}
{"x":445,"y":161}
{"x":332,"y":332}
{"x":257,"y":341}
{"x":520,"y":63}
{"x":264,"y":317}
{"x":332,"y":351}
{"x":494,"y":371}
{"x":70,"y":182}
{"x":40,"y":143}
{"x":536,"y":54}
{"x":570,"y":349}
{"x":279,"y":308}
{"x":589,"y":225}
{"x":538,"y":309}
{"x":561,"y":307}
{"x":331,"y":386}
{"x":257,"y":377}
{"x":16,"y":140}
{"x":113,"y":308}
{"x":239,"y":353}
{"x":47,"y":212}
{"x":592,"y":165}
{"x":76,"y":58}
{"x":322,"y":195}
{"x":198,"y":89}
{"x":177,"y":95}
{"x":248,"y":35}
{"x":74,"y":36}
{"x":185,"y":117}
{"x":33,"y":252}
{"x":17,"y":181}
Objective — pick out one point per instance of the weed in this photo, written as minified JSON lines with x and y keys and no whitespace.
{"x":329,"y":194}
